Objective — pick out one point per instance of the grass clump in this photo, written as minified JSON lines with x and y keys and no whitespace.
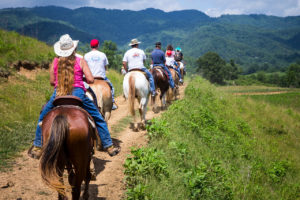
{"x":219,"y":146}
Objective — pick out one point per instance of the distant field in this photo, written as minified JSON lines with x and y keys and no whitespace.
{"x":250,"y":89}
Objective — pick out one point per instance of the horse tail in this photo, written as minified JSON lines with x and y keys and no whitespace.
{"x":131,"y":94}
{"x":52,"y":151}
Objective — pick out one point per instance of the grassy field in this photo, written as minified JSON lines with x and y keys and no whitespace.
{"x":21,"y":100}
{"x":250,"y":89}
{"x":14,"y":46}
{"x":214,"y":145}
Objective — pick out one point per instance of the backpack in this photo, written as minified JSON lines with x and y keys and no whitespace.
{"x":178,"y":56}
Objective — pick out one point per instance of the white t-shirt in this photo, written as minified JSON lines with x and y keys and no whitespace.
{"x":170,"y":61}
{"x":135,"y":58}
{"x":96,"y":61}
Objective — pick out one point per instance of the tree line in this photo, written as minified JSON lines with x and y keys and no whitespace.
{"x":212,"y":67}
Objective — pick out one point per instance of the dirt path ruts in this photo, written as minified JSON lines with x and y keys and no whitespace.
{"x":23,"y":181}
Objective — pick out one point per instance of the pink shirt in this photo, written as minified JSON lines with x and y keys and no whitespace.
{"x":78,"y":73}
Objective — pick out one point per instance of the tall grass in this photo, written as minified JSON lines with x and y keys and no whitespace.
{"x":20,"y":103}
{"x":213,"y":145}
{"x":14,"y":46}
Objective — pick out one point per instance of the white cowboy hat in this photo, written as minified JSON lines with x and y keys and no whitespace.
{"x":65,"y":46}
{"x":134,"y":42}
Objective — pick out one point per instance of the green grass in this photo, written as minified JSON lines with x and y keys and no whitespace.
{"x":213,"y":145}
{"x":249,"y":89}
{"x":20,"y":103}
{"x":14,"y":47}
{"x":117,"y":80}
{"x":287,"y":100}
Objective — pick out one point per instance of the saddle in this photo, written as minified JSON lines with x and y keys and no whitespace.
{"x":172,"y":67}
{"x":163,"y":71}
{"x":72,"y":101}
{"x":67,"y":100}
{"x":139,"y":70}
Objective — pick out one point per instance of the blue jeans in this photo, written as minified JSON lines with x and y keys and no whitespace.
{"x":171,"y":81}
{"x":151,"y":80}
{"x":89,"y":107}
{"x":177,"y":68}
{"x":112,"y":89}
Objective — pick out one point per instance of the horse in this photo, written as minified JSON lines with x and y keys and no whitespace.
{"x":182,"y":71}
{"x":175,"y":92}
{"x":68,"y":138}
{"x":162,"y":84}
{"x":102,"y":91}
{"x":135,"y":85}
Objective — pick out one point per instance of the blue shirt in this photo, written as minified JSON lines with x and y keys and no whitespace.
{"x":158,"y":57}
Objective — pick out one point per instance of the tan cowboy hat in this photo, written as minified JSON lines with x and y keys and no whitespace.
{"x":134,"y":42}
{"x":65,"y":46}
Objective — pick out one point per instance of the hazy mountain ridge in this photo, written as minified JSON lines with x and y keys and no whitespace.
{"x":244,"y":38}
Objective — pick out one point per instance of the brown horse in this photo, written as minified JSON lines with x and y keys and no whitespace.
{"x":104,"y":97}
{"x":161,"y":84}
{"x":68,"y":142}
{"x":172,"y":94}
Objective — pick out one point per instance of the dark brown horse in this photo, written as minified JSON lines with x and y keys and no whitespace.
{"x":161,"y":85}
{"x":68,"y":143}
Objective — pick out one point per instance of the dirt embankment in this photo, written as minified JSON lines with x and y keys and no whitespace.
{"x":24,"y":182}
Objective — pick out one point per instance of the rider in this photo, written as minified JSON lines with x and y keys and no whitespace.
{"x":159,"y":59}
{"x":179,"y":56}
{"x":135,"y":59}
{"x":170,"y":61}
{"x":61,"y":71}
{"x":98,"y":64}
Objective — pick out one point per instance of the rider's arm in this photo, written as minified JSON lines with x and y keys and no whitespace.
{"x":125,"y":65}
{"x":52,"y":78}
{"x":87,"y":72}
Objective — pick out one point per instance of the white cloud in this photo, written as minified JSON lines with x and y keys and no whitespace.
{"x":213,"y":7}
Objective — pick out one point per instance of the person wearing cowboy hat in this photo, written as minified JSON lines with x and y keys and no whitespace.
{"x":159,"y":59}
{"x":63,"y":65}
{"x":98,"y":64}
{"x":134,"y":58}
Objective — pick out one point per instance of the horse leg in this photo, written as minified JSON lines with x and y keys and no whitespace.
{"x":163,"y":102}
{"x":87,"y":181}
{"x":155,"y":107}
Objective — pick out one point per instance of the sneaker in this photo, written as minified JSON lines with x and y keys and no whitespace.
{"x":112,"y":150}
{"x":34,"y":152}
{"x":153,"y":94}
{"x":114,"y":107}
{"x":181,"y":81}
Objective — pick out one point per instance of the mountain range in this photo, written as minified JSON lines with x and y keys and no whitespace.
{"x":247,"y":39}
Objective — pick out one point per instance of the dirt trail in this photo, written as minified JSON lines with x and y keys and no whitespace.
{"x":23,"y":181}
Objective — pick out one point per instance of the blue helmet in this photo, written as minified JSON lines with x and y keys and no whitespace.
{"x":178,"y":49}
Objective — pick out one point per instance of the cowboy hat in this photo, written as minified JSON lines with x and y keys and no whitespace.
{"x":134,"y":42}
{"x":65,"y":46}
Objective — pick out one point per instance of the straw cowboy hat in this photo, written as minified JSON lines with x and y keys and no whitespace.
{"x":65,"y":46}
{"x":134,"y":42}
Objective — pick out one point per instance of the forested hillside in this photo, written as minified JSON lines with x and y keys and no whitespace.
{"x":247,"y":39}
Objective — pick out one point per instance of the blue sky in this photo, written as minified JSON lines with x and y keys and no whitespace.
{"x":212,"y":8}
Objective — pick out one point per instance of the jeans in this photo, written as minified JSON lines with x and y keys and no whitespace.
{"x":112,"y":89}
{"x":177,"y":68}
{"x":151,"y":80}
{"x":89,"y":107}
{"x":171,"y":81}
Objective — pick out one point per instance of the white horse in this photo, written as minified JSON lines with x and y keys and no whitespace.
{"x":135,"y":85}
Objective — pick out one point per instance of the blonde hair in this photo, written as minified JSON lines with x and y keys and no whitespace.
{"x":65,"y":75}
